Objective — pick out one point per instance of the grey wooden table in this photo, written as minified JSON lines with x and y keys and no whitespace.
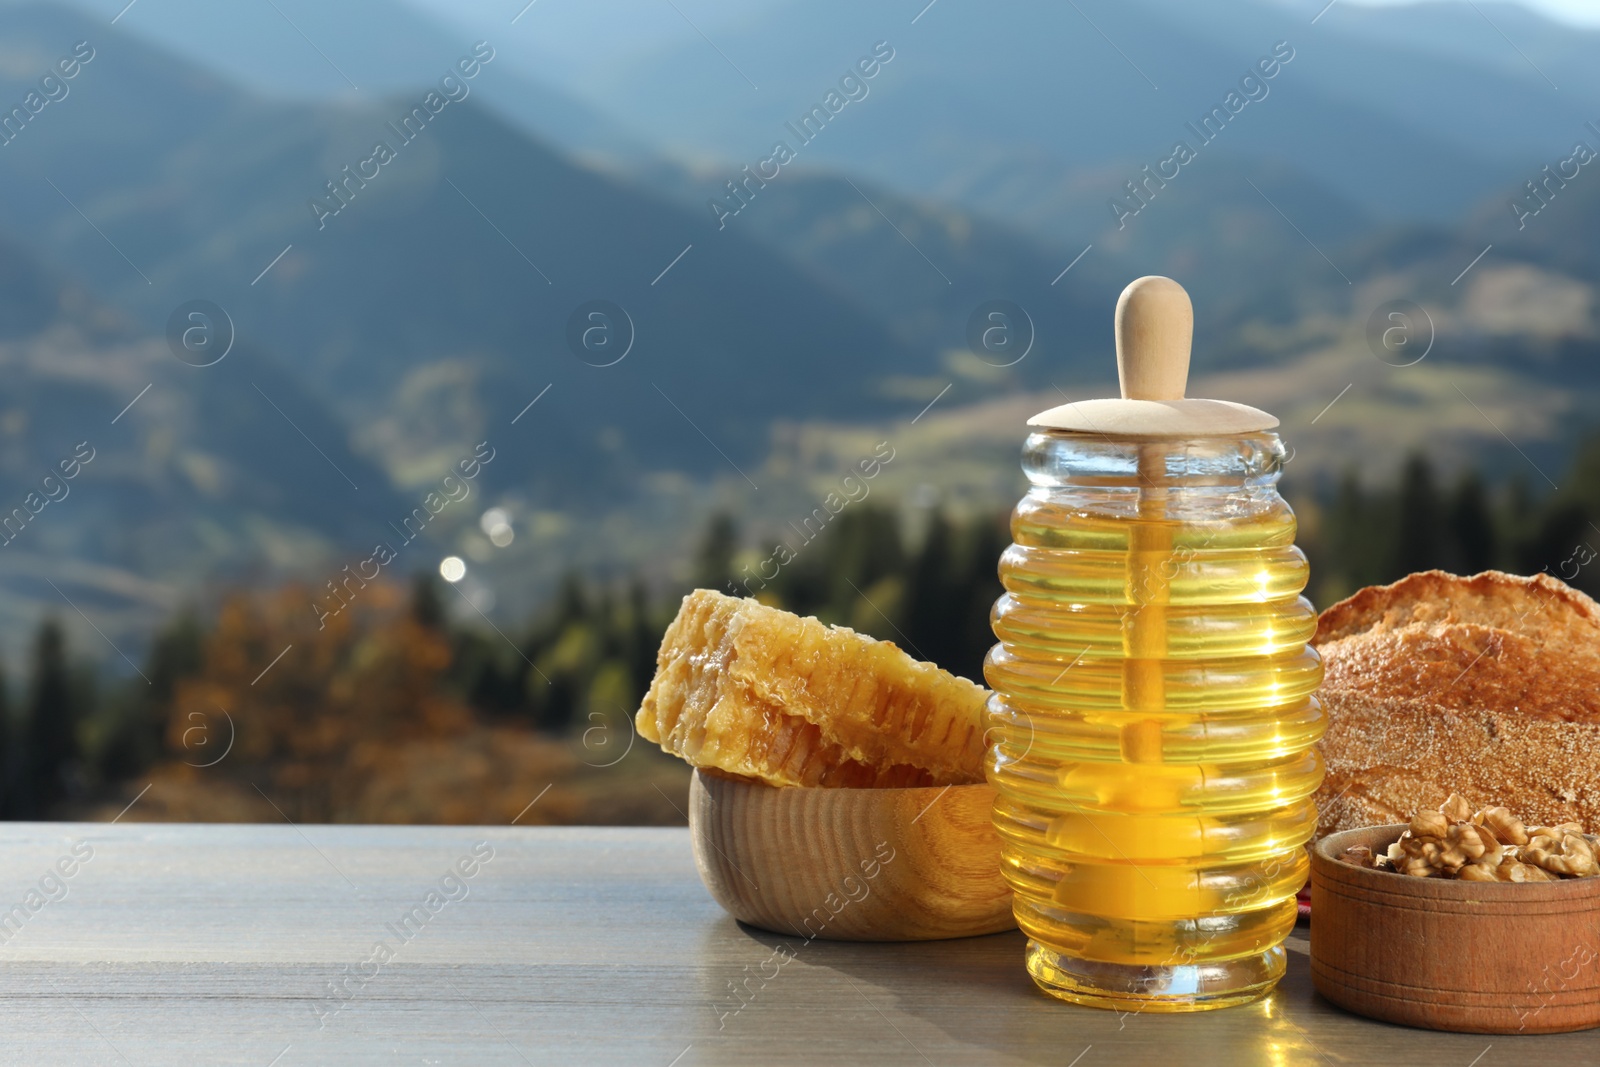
{"x":185,"y":945}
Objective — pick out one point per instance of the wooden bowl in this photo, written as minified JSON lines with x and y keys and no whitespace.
{"x":1478,"y":957}
{"x":851,"y":864}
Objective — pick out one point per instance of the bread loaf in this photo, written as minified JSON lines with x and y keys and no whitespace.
{"x":1487,"y":686}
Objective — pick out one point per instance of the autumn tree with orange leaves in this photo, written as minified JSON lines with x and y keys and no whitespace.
{"x":345,"y":721}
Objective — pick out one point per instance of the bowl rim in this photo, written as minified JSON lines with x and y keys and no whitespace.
{"x":728,"y":777}
{"x":1327,"y":867}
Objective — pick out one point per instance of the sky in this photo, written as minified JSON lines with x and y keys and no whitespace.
{"x":550,"y":31}
{"x":579,"y":48}
{"x":1578,"y":12}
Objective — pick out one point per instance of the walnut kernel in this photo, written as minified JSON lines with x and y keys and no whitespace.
{"x":1489,"y":845}
{"x":1506,"y":827}
{"x":1571,"y":854}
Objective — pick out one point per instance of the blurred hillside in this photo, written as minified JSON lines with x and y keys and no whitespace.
{"x":440,"y":309}
{"x":196,"y":482}
{"x":391,"y":713}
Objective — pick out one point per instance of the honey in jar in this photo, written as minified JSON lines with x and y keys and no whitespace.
{"x":1154,"y":712}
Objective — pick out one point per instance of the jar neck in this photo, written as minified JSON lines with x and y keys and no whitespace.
{"x":1060,"y":458}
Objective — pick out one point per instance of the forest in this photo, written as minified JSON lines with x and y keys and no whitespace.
{"x":392,"y":711}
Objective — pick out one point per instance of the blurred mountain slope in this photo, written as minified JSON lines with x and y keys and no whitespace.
{"x":473,"y":246}
{"x":193,"y":474}
{"x":1040,"y":91}
{"x":432,"y":308}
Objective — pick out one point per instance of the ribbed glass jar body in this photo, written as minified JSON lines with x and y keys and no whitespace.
{"x":1154,"y":717}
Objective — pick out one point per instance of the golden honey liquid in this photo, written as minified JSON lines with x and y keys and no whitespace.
{"x":1154,"y":719}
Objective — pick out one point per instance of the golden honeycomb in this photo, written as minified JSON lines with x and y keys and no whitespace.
{"x":755,"y":691}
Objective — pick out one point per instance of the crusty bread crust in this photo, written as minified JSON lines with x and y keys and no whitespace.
{"x":1488,"y":686}
{"x":1541,"y":606}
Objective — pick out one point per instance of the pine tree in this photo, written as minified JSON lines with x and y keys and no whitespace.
{"x":7,"y":748}
{"x":139,"y":716}
{"x":1562,"y":529}
{"x":713,"y":563}
{"x":1471,"y":527}
{"x":1519,"y":527}
{"x":864,"y":547}
{"x":1581,"y":483}
{"x":981,"y":587}
{"x":1352,"y":563}
{"x":51,"y":730}
{"x":934,"y":610}
{"x":643,"y":638}
{"x":427,"y":607}
{"x":1418,"y":533}
{"x":571,"y":604}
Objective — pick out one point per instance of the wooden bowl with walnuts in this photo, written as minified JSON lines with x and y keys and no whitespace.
{"x":1463,"y":920}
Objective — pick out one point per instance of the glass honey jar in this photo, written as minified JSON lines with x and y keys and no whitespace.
{"x":1154,"y":713}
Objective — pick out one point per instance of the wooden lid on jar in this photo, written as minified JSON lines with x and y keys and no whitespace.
{"x":1155,"y":328}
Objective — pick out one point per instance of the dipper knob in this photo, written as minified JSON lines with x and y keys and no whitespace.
{"x":1155,"y":331}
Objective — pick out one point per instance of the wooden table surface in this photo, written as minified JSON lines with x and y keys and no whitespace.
{"x":187,"y":945}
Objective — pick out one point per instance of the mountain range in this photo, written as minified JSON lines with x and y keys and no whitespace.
{"x":388,"y":314}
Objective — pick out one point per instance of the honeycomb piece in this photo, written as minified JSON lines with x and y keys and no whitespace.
{"x":755,"y":691}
